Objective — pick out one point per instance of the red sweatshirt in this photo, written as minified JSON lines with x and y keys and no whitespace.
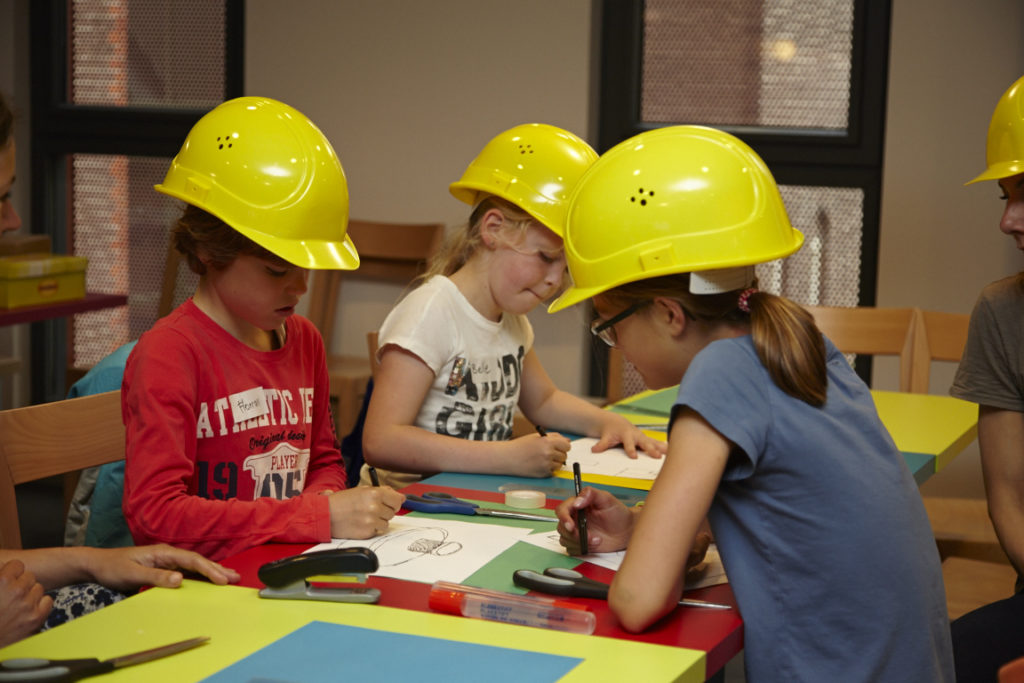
{"x":227,"y":446}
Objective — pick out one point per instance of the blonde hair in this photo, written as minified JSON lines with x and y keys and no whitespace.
{"x":460,"y":245}
{"x":787,"y":341}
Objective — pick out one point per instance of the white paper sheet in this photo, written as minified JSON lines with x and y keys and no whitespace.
{"x":612,"y":462}
{"x":427,"y":549}
{"x":709,"y":573}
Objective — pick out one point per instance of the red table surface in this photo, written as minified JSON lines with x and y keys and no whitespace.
{"x":719,"y":633}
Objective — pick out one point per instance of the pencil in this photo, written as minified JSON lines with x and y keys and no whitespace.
{"x":581,"y":516}
{"x":373,"y":476}
{"x":541,"y":431}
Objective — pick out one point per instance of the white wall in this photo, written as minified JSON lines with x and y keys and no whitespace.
{"x":408,"y":93}
{"x":940,"y":242}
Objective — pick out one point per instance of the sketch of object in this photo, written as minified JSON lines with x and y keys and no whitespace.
{"x":404,"y":546}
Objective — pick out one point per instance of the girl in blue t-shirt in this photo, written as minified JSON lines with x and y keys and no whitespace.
{"x":773,"y":437}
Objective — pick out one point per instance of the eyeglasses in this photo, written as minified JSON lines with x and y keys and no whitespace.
{"x":605,"y":330}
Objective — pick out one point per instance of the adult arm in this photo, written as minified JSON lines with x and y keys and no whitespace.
{"x":1001,"y":441}
{"x":121,"y":569}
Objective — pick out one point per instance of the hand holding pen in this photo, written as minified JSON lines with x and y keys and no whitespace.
{"x":609,"y":522}
{"x":552,"y":450}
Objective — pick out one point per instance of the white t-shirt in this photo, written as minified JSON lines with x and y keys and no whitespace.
{"x":477,"y":363}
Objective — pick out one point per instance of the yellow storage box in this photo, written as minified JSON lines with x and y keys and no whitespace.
{"x":34,"y":279}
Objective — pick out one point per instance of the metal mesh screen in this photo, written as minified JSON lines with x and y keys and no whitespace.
{"x":772,"y":63}
{"x":827,"y":269}
{"x":147,"y":53}
{"x":121,"y":224}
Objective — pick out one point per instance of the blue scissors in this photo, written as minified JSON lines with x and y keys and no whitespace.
{"x":569,"y":582}
{"x":32,"y":669}
{"x":437,"y":502}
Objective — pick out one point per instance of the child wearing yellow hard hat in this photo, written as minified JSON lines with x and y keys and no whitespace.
{"x":230,"y":441}
{"x":456,"y":356}
{"x":773,"y":436}
{"x":991,"y":374}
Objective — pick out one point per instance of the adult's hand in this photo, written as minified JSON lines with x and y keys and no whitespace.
{"x":23,"y":603}
{"x":126,"y":569}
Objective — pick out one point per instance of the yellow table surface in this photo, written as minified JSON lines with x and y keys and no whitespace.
{"x":936,"y":426}
{"x":941,"y":426}
{"x":239,"y":622}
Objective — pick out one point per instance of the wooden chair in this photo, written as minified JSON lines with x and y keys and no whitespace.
{"x":871,"y":331}
{"x":975,"y":569}
{"x":938,"y":336}
{"x":51,"y":439}
{"x":388,"y":252}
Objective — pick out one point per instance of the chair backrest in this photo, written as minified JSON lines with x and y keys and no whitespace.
{"x":388,"y":252}
{"x":939,"y":336}
{"x":54,"y":438}
{"x":872,"y":331}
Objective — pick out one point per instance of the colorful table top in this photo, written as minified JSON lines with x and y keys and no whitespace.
{"x":929,"y":430}
{"x":321,"y":641}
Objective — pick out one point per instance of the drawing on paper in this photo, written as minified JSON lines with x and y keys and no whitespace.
{"x":397,"y":548}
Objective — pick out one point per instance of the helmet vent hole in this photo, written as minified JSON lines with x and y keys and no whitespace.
{"x":221,"y":141}
{"x":643,"y":200}
{"x":526,"y":149}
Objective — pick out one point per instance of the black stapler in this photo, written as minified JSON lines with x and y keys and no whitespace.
{"x":287,"y":578}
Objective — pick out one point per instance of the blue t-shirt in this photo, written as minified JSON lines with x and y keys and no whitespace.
{"x":821,"y":528}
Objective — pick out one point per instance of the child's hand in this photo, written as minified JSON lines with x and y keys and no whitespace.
{"x":609,"y":522}
{"x":363,"y":512}
{"x":617,"y":430}
{"x":538,"y":456}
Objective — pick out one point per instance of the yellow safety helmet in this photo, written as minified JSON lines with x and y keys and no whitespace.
{"x":534,"y":166}
{"x":1004,"y":151}
{"x":266,"y":170}
{"x":672,"y":200}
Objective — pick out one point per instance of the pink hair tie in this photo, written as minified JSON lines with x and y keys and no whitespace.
{"x":744,"y":302}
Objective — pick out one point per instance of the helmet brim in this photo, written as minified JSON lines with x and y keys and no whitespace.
{"x":999,"y":171}
{"x":309,"y":254}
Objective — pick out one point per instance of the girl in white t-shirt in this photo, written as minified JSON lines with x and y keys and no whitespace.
{"x":456,"y":356}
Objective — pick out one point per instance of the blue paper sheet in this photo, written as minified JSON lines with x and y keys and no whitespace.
{"x":325,"y":652}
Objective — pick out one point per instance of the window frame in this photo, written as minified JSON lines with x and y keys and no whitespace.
{"x":60,"y":129}
{"x":796,"y":156}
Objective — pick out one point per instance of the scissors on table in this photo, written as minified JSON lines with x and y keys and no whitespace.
{"x":438,"y":502}
{"x":569,"y":582}
{"x":37,"y":669}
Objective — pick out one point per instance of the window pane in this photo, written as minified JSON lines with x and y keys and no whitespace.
{"x":121,"y":224}
{"x":827,"y":269}
{"x":147,"y":53}
{"x":768,"y":63}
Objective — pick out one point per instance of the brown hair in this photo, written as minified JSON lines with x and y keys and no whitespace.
{"x":787,"y":341}
{"x":221,"y":244}
{"x":460,"y":245}
{"x":6,"y":121}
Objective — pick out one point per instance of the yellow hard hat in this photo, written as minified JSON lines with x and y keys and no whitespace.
{"x":1004,"y":151}
{"x":534,"y":166}
{"x":672,"y":200}
{"x":266,"y":170}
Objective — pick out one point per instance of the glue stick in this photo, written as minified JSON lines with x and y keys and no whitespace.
{"x":509,"y":608}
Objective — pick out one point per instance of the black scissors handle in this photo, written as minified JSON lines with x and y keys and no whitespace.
{"x":558,"y":581}
{"x":32,"y":669}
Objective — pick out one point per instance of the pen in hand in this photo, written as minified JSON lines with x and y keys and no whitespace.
{"x":373,"y":475}
{"x":581,"y":516}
